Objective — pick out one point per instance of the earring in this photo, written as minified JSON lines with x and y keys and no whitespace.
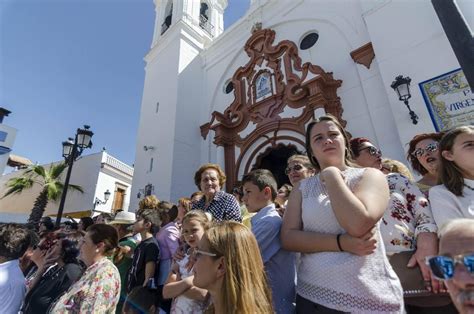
{"x":97,"y":250}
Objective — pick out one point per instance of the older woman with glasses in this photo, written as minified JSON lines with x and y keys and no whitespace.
{"x":408,"y":227}
{"x":210,"y":179}
{"x":424,"y":157}
{"x":299,"y":167}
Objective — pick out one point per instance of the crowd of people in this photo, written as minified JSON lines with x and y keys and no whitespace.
{"x":351,"y":232}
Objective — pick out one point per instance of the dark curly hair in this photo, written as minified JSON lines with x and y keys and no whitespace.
{"x":415,"y":164}
{"x":70,"y":246}
{"x":15,"y":239}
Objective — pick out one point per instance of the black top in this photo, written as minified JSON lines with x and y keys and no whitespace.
{"x":147,"y":251}
{"x":52,"y":285}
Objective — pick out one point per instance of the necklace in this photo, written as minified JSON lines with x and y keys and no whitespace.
{"x":469,"y":187}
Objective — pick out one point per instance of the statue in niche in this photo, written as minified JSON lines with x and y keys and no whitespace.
{"x":263,"y":85}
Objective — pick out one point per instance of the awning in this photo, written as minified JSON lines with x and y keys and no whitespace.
{"x":16,"y":161}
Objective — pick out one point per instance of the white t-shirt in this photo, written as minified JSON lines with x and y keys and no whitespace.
{"x":447,"y":206}
{"x":12,"y":287}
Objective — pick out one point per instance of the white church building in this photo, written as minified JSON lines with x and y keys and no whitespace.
{"x":241,"y":98}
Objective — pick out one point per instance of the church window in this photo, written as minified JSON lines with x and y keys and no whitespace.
{"x":309,"y":40}
{"x":151,"y":165}
{"x":263,"y":85}
{"x":229,"y":87}
{"x":157,"y":107}
{"x":204,"y":20}
{"x":168,"y":17}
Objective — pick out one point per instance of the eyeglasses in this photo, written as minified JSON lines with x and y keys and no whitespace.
{"x":294,"y":168}
{"x":41,"y":247}
{"x":443,"y":267}
{"x":429,"y":148}
{"x":372,"y":150}
{"x":200,"y":253}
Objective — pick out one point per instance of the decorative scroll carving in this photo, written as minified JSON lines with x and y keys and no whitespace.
{"x":293,"y":84}
{"x":364,"y":55}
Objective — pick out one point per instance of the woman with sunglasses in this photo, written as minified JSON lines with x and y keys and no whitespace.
{"x":229,"y":265}
{"x":322,"y":210}
{"x":408,"y":227}
{"x":454,"y":198}
{"x":424,"y":157}
{"x":98,"y":290}
{"x":47,"y":240}
{"x":60,"y":270}
{"x":299,"y":167}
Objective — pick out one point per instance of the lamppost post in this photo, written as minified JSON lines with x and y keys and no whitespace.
{"x":71,"y":151}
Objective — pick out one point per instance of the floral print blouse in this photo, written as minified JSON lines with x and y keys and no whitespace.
{"x":408,"y":214}
{"x":97,"y":291}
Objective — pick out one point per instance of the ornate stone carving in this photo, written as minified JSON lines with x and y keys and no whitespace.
{"x":364,"y":55}
{"x":292,"y":84}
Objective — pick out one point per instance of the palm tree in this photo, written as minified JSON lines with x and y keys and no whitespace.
{"x":48,"y":179}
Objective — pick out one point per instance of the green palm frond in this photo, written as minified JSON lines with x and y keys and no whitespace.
{"x":56,"y":170}
{"x":17,"y":185}
{"x":77,"y":188}
{"x":39,"y":170}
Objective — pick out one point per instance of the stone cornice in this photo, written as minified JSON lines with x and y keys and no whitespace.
{"x":364,"y":55}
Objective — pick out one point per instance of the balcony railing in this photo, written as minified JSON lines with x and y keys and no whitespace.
{"x":206,"y":25}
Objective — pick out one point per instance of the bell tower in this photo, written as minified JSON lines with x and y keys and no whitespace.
{"x":183,"y":29}
{"x":204,"y":16}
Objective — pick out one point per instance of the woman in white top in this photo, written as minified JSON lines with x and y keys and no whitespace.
{"x":340,"y":199}
{"x":455,"y":197}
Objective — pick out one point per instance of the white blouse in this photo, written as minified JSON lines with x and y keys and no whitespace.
{"x":341,"y":280}
{"x":447,"y":206}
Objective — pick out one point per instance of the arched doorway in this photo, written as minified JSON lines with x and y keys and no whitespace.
{"x":274,"y":159}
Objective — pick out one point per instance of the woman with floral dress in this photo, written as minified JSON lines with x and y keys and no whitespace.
{"x":407,"y":223}
{"x":98,"y":290}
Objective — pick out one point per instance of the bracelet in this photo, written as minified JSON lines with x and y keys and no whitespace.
{"x":339,"y":242}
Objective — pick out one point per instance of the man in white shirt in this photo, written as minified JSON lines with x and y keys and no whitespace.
{"x":15,"y":239}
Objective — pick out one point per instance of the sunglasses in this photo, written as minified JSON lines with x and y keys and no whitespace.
{"x":294,"y":168}
{"x":372,"y":150}
{"x":429,"y":148}
{"x":443,"y":267}
{"x":200,"y":253}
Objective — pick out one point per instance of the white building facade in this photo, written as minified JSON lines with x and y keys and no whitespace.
{"x":95,"y":174}
{"x":241,"y":98}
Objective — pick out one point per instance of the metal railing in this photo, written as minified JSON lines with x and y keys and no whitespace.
{"x":206,"y":25}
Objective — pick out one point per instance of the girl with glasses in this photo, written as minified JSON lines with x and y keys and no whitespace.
{"x":230,"y":267}
{"x":179,"y":285}
{"x":424,"y":157}
{"x":454,"y":198}
{"x":341,"y":201}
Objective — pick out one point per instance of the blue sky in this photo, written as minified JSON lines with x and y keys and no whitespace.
{"x":64,"y":64}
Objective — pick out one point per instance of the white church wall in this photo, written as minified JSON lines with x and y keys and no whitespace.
{"x":160,"y":86}
{"x":416,"y":47}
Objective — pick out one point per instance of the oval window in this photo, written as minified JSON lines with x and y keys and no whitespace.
{"x":309,"y":40}
{"x":229,"y":87}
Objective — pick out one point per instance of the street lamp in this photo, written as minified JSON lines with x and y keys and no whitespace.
{"x":99,"y":201}
{"x":402,"y":86}
{"x":72,"y":149}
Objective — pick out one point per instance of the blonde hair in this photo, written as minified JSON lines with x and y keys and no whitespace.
{"x":151,"y":201}
{"x":186,"y":203}
{"x":245,"y":288}
{"x":199,"y":216}
{"x":398,"y":167}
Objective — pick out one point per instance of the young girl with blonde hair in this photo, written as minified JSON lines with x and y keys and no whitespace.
{"x":230,"y":267}
{"x":179,"y":285}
